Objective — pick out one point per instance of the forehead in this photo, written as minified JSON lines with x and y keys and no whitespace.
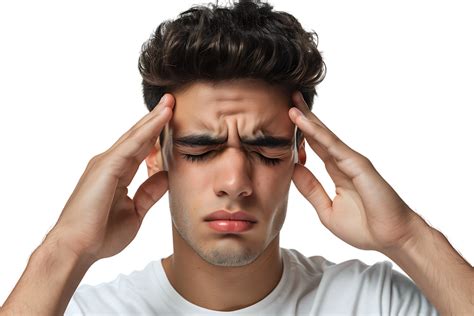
{"x":252,"y":104}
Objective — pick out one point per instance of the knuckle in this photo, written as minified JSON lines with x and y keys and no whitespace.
{"x":363,"y":161}
{"x":315,"y":131}
{"x":96,"y":160}
{"x":313,"y":191}
{"x":92,"y":161}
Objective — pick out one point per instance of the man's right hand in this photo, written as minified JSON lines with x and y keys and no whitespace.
{"x":99,"y":220}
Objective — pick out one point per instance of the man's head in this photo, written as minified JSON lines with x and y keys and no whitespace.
{"x":231,"y":72}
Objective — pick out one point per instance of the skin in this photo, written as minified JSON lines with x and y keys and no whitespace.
{"x":366,"y":212}
{"x":214,"y":270}
{"x":230,"y":272}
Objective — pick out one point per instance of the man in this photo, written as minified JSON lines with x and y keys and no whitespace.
{"x":225,"y":140}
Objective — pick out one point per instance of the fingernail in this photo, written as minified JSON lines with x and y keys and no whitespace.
{"x":298,"y":113}
{"x":163,"y":98}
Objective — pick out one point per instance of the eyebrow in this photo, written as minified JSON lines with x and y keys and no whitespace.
{"x":199,"y":140}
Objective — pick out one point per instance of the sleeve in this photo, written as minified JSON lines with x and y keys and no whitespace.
{"x":406,"y":298}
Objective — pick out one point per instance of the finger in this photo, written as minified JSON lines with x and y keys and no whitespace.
{"x":312,"y":126}
{"x":141,"y":139}
{"x":320,"y":150}
{"x":315,"y":132}
{"x":150,"y":192}
{"x":300,"y":104}
{"x":321,"y":140}
{"x":313,"y":191}
{"x":338,"y":177}
{"x":129,"y":154}
{"x":167,"y":100}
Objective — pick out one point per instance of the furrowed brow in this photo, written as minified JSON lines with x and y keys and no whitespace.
{"x":267,"y":141}
{"x":201,"y":140}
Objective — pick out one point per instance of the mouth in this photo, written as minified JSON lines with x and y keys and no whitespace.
{"x":230,"y":226}
{"x":229,"y":216}
{"x":226,"y":222}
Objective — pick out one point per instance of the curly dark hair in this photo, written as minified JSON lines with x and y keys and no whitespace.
{"x":246,"y":40}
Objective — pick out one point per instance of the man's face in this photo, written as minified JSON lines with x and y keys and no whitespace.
{"x":234,"y":175}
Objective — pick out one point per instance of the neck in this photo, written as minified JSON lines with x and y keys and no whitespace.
{"x":222,"y":288}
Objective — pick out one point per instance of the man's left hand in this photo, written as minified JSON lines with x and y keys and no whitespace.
{"x":366,"y":212}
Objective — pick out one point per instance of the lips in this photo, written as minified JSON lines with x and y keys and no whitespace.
{"x":228,"y":216}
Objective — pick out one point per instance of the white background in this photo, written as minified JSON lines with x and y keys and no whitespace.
{"x":398,"y":90}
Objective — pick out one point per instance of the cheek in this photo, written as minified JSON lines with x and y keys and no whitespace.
{"x":185,"y":176}
{"x":272,"y":186}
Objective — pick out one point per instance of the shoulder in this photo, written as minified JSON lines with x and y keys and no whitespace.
{"x":339,"y":275}
{"x":125,"y":293}
{"x":348,"y":269}
{"x":375,"y":288}
{"x":351,"y":272}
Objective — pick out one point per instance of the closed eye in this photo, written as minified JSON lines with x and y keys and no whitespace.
{"x":204,"y":156}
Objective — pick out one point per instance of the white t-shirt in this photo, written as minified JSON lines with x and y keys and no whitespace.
{"x":308,"y":286}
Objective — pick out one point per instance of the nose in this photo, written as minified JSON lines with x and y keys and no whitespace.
{"x":233,"y":174}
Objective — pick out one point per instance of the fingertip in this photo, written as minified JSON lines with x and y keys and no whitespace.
{"x":170,"y":100}
{"x":167,"y":113}
{"x":163,"y":99}
{"x":295,"y":112}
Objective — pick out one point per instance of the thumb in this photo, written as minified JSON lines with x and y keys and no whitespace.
{"x":150,"y":192}
{"x":313,"y":191}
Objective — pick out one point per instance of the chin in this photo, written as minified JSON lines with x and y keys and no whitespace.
{"x":225,"y":256}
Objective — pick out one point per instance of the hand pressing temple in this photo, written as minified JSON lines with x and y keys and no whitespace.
{"x":368,"y":214}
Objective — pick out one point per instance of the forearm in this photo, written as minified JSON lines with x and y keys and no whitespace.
{"x":48,"y":282}
{"x":444,"y":277}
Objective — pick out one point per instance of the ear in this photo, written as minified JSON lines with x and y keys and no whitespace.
{"x":301,"y":152}
{"x":154,"y":160}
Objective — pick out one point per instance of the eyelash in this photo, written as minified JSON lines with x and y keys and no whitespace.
{"x":265,"y":160}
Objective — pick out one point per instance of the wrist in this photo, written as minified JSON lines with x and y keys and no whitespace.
{"x":53,"y":249}
{"x":46,"y":286}
{"x":437,"y":269}
{"x":417,"y":231}
{"x":55,"y":243}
